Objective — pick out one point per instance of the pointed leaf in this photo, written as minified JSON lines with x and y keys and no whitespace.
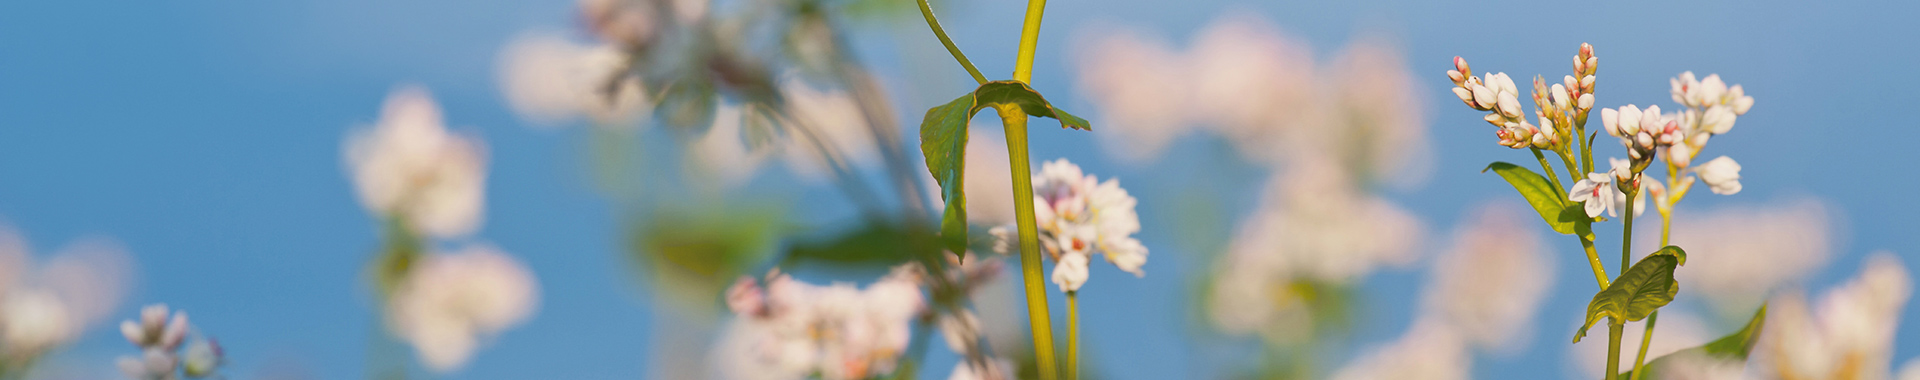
{"x":1545,"y":198}
{"x":1735,"y":347}
{"x":1018,"y":93}
{"x":943,"y":140}
{"x":1645,"y":287}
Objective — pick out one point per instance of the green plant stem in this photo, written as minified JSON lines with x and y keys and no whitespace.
{"x":1073,"y":336}
{"x":1613,"y":349}
{"x":1015,"y":122}
{"x":934,"y":23}
{"x":1593,"y":260}
{"x":1626,"y":235}
{"x":1640,"y":361}
{"x":1029,"y":41}
{"x":1552,"y":175}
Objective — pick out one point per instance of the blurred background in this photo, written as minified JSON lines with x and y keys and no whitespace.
{"x":208,"y":144}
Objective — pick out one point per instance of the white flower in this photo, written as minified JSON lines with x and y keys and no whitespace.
{"x":1718,"y":119}
{"x":203,"y":357}
{"x":1078,"y":216}
{"x":996,"y":369}
{"x":1722,"y":174}
{"x":1739,"y":255}
{"x":1135,"y":82}
{"x":1489,"y":284}
{"x":154,"y":329}
{"x":32,"y":321}
{"x":1428,"y":351}
{"x":47,"y":305}
{"x":1850,"y":332}
{"x":1685,"y":89}
{"x":836,"y":331}
{"x":408,"y":166}
{"x":1250,"y":81}
{"x":1379,"y":128}
{"x":1598,"y":193}
{"x":1624,"y":122}
{"x":450,"y":302}
{"x":551,"y":80}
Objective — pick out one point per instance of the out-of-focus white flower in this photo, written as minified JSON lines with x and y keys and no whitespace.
{"x":1676,"y":331}
{"x":1849,"y":334}
{"x":1598,"y":193}
{"x":1379,"y":128}
{"x":1691,"y":365}
{"x":551,"y":80}
{"x":203,"y":357}
{"x":409,"y":166}
{"x":1910,"y":371}
{"x":627,"y":23}
{"x":1489,"y":284}
{"x":1739,"y":255}
{"x":835,"y":332}
{"x":451,"y":302}
{"x":159,"y":340}
{"x":1429,"y":350}
{"x":151,"y":364}
{"x":154,"y":329}
{"x":996,"y":369}
{"x":1077,"y":215}
{"x":48,"y":305}
{"x":1136,"y":83}
{"x":1250,"y":81}
{"x":723,"y":156}
{"x":834,"y":119}
{"x":1722,"y":174}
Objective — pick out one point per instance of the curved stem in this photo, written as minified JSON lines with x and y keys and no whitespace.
{"x":1614,"y":330}
{"x":1640,"y":361}
{"x":1029,"y":41}
{"x":1593,"y":259}
{"x":1015,"y":122}
{"x":1552,"y":175}
{"x":1073,"y":336}
{"x":927,"y":11}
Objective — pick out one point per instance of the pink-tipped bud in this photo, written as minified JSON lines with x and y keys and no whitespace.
{"x":1461,"y":64}
{"x":1586,"y":49}
{"x":1579,"y":64}
{"x":1586,"y":84}
{"x":1593,"y":63}
{"x":1455,"y":76}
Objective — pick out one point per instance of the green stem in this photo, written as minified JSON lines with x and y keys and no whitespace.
{"x":1640,"y":361}
{"x":1626,"y":236}
{"x":1613,"y":349}
{"x":927,"y":11}
{"x":1029,"y":41}
{"x":1593,"y":260}
{"x":1552,"y":175}
{"x":1073,"y":336}
{"x":1015,"y":121}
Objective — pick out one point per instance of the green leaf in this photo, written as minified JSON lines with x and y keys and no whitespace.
{"x":943,"y":140}
{"x":1645,"y":287}
{"x":1735,"y":346}
{"x":878,"y":243}
{"x":1545,"y":198}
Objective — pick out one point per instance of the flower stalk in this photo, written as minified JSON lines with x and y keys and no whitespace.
{"x":1014,"y":120}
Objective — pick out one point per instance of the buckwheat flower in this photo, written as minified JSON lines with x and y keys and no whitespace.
{"x":1249,"y":81}
{"x":154,"y":329}
{"x":33,"y":321}
{"x":1070,"y":272}
{"x":1909,"y":371}
{"x":1135,"y":82}
{"x":1597,"y":193}
{"x":1377,"y":122}
{"x":1849,"y":333}
{"x":1078,"y":216}
{"x":408,"y":166}
{"x":151,"y":364}
{"x":835,"y":332}
{"x":550,"y":80}
{"x":451,"y":302}
{"x":203,"y":358}
{"x":1739,"y":255}
{"x":1718,"y":119}
{"x":1722,"y":174}
{"x":1623,"y":122}
{"x":1428,"y":350}
{"x":1684,"y":89}
{"x":1489,"y":284}
{"x":1737,"y":97}
{"x":47,"y":305}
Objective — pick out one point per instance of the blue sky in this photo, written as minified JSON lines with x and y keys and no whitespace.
{"x":205,"y":137}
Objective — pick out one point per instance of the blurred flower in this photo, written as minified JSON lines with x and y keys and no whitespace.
{"x":154,"y":329}
{"x":632,"y":24}
{"x":407,"y":166}
{"x":1077,"y":216}
{"x":831,"y":117}
{"x":1910,"y":371}
{"x":996,"y":369}
{"x":1675,"y":331}
{"x":1429,"y":350}
{"x":961,"y":330}
{"x":1249,"y":80}
{"x":49,"y":305}
{"x":1489,"y":283}
{"x":1693,"y":365}
{"x":1136,"y":83}
{"x":1722,"y":174}
{"x":551,"y":80}
{"x":835,"y":332}
{"x":1850,"y":333}
{"x":203,"y":357}
{"x":1738,"y":255}
{"x":159,"y":340}
{"x":452,"y":301}
{"x":1380,"y":131}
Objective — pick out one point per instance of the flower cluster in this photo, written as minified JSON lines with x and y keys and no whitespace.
{"x":1848,"y":334}
{"x":1711,"y":108}
{"x":787,"y":329}
{"x":408,"y":167}
{"x":160,"y":339}
{"x":450,"y":302}
{"x":46,"y":305}
{"x":1077,"y":216}
{"x":1558,"y":107}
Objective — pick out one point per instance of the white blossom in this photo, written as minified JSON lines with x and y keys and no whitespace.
{"x":551,"y":80}
{"x":1250,"y":82}
{"x":1722,"y":174}
{"x":451,"y":302}
{"x":1078,"y":216}
{"x":996,"y":369}
{"x":408,"y":166}
{"x":1489,"y":284}
{"x":1136,"y":83}
{"x":1428,"y":351}
{"x":47,"y":305}
{"x":1849,"y":332}
{"x":1739,"y":255}
{"x":1598,"y":194}
{"x":835,"y":332}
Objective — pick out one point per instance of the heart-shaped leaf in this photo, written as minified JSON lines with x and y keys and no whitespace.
{"x":943,"y":140}
{"x":1545,"y":198}
{"x":1645,"y":287}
